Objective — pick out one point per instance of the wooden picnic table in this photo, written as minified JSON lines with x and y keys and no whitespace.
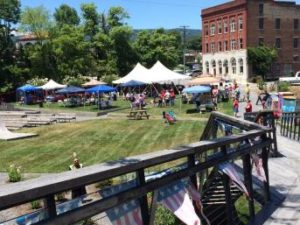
{"x":138,"y":114}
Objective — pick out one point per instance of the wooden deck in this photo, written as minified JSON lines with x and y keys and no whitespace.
{"x":284,"y":174}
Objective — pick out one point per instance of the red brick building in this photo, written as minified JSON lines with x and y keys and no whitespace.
{"x":229,"y":29}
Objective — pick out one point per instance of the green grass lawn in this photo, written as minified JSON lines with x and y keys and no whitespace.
{"x":94,"y":141}
{"x":102,"y":140}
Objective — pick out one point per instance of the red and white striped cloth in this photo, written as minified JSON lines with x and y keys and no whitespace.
{"x":229,"y":170}
{"x":175,"y":197}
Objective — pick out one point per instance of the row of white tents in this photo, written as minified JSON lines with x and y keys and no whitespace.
{"x":158,"y":73}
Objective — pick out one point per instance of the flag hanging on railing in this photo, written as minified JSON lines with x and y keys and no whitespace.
{"x":175,"y":197}
{"x":258,"y":163}
{"x":195,"y":195}
{"x":229,"y":170}
{"x":128,"y":213}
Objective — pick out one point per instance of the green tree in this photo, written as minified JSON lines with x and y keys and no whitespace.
{"x":91,"y":18}
{"x":116,"y":16}
{"x":261,"y":58}
{"x":9,"y":14}
{"x":194,"y":43}
{"x":158,"y":45}
{"x":37,"y":21}
{"x":66,"y":15}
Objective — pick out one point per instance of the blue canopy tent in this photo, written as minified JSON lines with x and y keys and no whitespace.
{"x":99,"y":90}
{"x":197,"y":89}
{"x":70,"y":90}
{"x":29,"y":94}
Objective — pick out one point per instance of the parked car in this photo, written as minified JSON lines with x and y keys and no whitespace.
{"x":294,"y":79}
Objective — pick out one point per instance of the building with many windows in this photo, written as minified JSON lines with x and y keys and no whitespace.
{"x":229,"y":29}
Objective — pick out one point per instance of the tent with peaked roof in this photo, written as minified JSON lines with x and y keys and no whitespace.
{"x":139,"y":73}
{"x":52,"y":85}
{"x":161,"y":74}
{"x":93,"y":83}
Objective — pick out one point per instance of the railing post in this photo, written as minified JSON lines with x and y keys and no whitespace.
{"x":143,"y":200}
{"x":248,"y":183}
{"x":192,"y":163}
{"x":229,"y":210}
{"x":50,"y":206}
{"x":265,"y":157}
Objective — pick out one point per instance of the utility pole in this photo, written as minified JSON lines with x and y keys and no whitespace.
{"x":184,"y":45}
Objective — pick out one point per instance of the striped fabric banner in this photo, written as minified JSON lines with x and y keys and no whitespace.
{"x":128,"y":213}
{"x":175,"y":197}
{"x":229,"y":170}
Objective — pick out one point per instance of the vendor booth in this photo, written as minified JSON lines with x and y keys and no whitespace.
{"x":199,"y":95}
{"x":29,"y":94}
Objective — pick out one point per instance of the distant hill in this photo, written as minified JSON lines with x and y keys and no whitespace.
{"x":190,"y":33}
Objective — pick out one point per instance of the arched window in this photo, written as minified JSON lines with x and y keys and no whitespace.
{"x":214,"y":66}
{"x":233,"y":65}
{"x":241,"y":66}
{"x":207,"y":67}
{"x":225,"y":64}
{"x":220,"y":67}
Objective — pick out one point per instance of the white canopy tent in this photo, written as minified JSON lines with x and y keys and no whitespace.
{"x":139,"y":73}
{"x":52,"y":85}
{"x":157,"y":74}
{"x":161,"y":74}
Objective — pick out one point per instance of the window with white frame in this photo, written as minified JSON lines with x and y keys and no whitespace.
{"x":233,"y":44}
{"x":233,"y":65}
{"x":225,"y":45}
{"x":225,"y":26}
{"x":241,"y":25}
{"x":220,"y":27}
{"x":241,"y":66}
{"x":220,"y":67}
{"x":212,"y":47}
{"x":206,"y":29}
{"x":212,"y":29}
{"x":220,"y":46}
{"x":241,"y":42}
{"x":207,"y":67}
{"x":232,"y":25}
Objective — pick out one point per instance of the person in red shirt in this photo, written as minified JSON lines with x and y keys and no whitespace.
{"x":248,"y":106}
{"x":236,"y":107}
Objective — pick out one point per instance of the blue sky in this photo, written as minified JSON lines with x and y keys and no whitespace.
{"x":144,"y":13}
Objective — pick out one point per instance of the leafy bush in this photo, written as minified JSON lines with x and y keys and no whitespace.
{"x":261,"y":84}
{"x":164,"y":217}
{"x":14,"y":173}
{"x":36,"y":204}
{"x":283,"y":86}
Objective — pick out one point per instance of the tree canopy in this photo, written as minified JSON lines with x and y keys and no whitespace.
{"x":65,"y":15}
{"x":261,"y":58}
{"x":68,"y":47}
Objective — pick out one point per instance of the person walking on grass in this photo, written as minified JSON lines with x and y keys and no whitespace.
{"x":236,"y":107}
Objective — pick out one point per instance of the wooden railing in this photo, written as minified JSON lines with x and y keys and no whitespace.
{"x":266,"y":118}
{"x":290,"y":125}
{"x":216,"y":150}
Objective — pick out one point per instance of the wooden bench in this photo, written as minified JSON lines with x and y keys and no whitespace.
{"x":138,"y":114}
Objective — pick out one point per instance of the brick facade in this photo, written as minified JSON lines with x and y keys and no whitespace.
{"x":249,"y":22}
